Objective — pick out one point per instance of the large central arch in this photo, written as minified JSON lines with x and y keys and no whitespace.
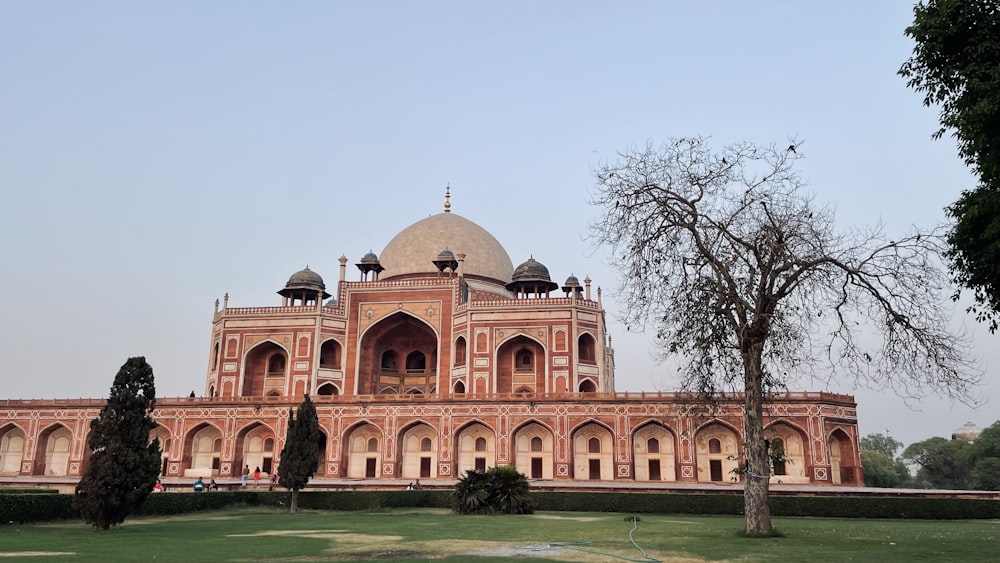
{"x":398,"y":355}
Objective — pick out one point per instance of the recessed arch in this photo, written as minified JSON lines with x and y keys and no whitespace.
{"x":419,"y":447}
{"x":717,"y":450}
{"x":520,"y":365}
{"x":793,"y":443}
{"x":593,"y":451}
{"x":254,"y":448}
{"x":398,"y":354}
{"x":266,"y":366}
{"x":52,"y":451}
{"x":461,"y":351}
{"x":586,"y":346}
{"x":13,"y":442}
{"x":534,"y":445}
{"x":475,"y":447}
{"x":331,"y":354}
{"x":843,"y":462}
{"x":654,"y":446}
{"x":202,"y":450}
{"x":328,"y":389}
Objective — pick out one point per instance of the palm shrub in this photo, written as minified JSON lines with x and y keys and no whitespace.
{"x":499,"y":489}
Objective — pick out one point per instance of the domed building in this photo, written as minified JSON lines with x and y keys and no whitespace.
{"x":439,"y":357}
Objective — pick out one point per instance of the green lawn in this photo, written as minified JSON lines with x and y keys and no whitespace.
{"x":255,"y":534}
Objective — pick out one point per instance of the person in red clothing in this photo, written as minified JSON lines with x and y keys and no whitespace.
{"x":256,"y":477}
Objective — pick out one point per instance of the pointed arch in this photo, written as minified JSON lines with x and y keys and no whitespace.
{"x":843,"y":461}
{"x":520,"y":363}
{"x":586,"y":346}
{"x":717,"y":451}
{"x":254,"y":448}
{"x":419,"y":447}
{"x":328,"y":389}
{"x":202,"y":450}
{"x":331,"y":354}
{"x":365,"y":447}
{"x":13,"y":442}
{"x":405,"y":340}
{"x":52,"y":450}
{"x":793,"y":444}
{"x":593,"y":451}
{"x":266,"y":366}
{"x":461,"y":351}
{"x":654,"y":446}
{"x":534,"y":446}
{"x":475,"y":447}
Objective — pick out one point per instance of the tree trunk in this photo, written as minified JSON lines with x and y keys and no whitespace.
{"x":758,"y":468}
{"x":295,"y":501}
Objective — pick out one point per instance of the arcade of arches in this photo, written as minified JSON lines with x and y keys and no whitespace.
{"x":438,"y":357}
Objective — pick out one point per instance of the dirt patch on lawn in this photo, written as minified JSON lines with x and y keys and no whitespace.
{"x":36,"y":553}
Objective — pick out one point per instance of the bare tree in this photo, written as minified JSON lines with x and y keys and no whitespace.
{"x":750,"y":285}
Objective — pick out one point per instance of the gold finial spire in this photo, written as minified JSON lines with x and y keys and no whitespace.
{"x":447,"y":198}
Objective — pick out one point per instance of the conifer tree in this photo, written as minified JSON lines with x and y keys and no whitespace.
{"x":300,"y":456}
{"x":123,"y":465}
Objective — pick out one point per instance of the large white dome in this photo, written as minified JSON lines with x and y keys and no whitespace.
{"x":413,"y":250}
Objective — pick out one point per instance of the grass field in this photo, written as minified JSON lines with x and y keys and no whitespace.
{"x":255,"y":534}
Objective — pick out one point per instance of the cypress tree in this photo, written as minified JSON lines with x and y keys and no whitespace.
{"x":123,"y":465}
{"x":300,"y":455}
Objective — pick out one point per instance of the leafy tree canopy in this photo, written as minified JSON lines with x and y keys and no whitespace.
{"x":954,"y":65}
{"x":123,"y":465}
{"x":881,"y":443}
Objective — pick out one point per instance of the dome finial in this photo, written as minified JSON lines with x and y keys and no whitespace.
{"x":447,"y":198}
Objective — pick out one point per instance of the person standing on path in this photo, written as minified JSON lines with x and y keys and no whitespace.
{"x":246,"y":474}
{"x":256,"y":477}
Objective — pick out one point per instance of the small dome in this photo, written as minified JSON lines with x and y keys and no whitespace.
{"x":572,"y":285}
{"x":446,"y":255}
{"x":304,"y":282}
{"x":532,"y":270}
{"x":532,"y":276}
{"x":369,"y":258}
{"x":967,"y":433}
{"x":305,"y":277}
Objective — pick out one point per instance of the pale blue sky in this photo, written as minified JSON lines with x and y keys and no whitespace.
{"x":156,"y":156}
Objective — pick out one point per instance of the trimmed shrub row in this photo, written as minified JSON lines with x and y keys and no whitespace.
{"x":21,"y":508}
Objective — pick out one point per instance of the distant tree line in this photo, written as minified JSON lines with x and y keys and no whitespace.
{"x":935,"y":463}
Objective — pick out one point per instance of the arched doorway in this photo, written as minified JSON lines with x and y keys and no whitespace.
{"x":520,"y":365}
{"x":419,"y":452}
{"x":653,"y":451}
{"x":398,"y":355}
{"x":476,"y":448}
{"x":203,"y":449}
{"x":364,"y":452}
{"x":533,"y":451}
{"x":11,"y":449}
{"x":255,"y":449}
{"x":265,"y":371}
{"x":717,"y":451}
{"x":593,"y":447}
{"x":790,"y":441}
{"x":843,"y":470}
{"x":52,"y":451}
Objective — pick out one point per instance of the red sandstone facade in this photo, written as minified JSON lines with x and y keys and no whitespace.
{"x":442,"y":358}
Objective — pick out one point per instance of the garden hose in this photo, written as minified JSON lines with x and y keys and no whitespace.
{"x":576,"y":546}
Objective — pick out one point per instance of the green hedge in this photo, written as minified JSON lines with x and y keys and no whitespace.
{"x":20,"y":508}
{"x":27,"y":491}
{"x":29,"y":507}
